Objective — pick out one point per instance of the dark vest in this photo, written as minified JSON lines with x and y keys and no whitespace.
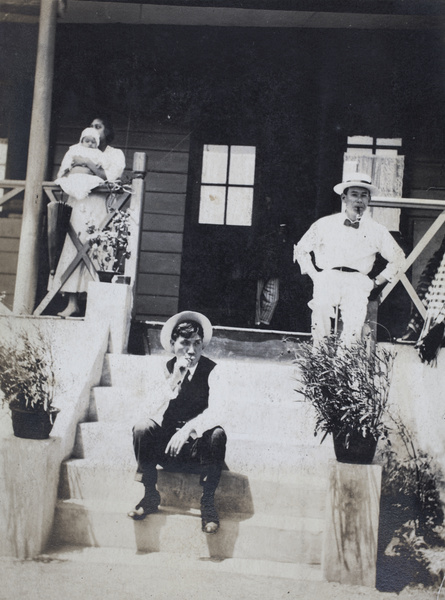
{"x":193,"y":397}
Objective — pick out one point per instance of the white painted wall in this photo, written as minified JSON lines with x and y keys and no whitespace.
{"x":29,"y":469}
{"x":418,"y":392}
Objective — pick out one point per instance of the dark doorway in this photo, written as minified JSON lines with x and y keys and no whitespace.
{"x":221,"y":202}
{"x":221,"y":252}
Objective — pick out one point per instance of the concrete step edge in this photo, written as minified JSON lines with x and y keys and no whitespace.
{"x":288,"y":523}
{"x":118,"y":366}
{"x":103,"y":392}
{"x":124,"y":467}
{"x":118,"y":427}
{"x":126,"y":556}
{"x":311,"y":481}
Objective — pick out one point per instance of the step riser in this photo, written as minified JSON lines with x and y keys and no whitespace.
{"x":181,"y":534}
{"x":235,"y":493}
{"x":294,"y":422}
{"x":246,"y":456}
{"x":134,"y":373}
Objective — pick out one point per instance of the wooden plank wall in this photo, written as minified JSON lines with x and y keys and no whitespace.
{"x":167,"y":149}
{"x":10,"y":228}
{"x":163,"y":224}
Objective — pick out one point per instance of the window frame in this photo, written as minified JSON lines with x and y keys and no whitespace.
{"x":228,"y":186}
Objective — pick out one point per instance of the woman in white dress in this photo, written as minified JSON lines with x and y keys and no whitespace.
{"x":89,"y":211}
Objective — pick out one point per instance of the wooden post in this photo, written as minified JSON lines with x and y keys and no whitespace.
{"x":27,"y":268}
{"x":136,"y":216}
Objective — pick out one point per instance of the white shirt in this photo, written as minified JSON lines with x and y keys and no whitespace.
{"x":336,"y":245}
{"x":209,"y":418}
{"x":116,"y":163}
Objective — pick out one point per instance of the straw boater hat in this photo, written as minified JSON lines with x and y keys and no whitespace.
{"x":186,"y":315}
{"x":90,"y":132}
{"x":356,"y":180}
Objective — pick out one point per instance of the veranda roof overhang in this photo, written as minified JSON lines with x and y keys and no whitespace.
{"x":333,"y":14}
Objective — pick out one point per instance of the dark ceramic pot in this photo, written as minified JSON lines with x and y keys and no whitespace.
{"x":33,"y":424}
{"x":360,"y":450}
{"x":106,"y":276}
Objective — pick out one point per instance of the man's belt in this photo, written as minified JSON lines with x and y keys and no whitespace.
{"x":344,"y":269}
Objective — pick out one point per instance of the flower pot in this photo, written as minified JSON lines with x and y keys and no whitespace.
{"x":360,"y":450}
{"x":106,"y":276}
{"x":33,"y":424}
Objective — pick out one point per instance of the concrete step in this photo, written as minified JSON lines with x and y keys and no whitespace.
{"x":304,"y":497}
{"x":289,"y":420}
{"x":185,"y":568}
{"x":105,"y":524}
{"x":272,"y":381}
{"x":267,"y":456}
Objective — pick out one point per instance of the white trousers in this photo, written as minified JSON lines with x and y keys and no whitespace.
{"x":347,"y":291}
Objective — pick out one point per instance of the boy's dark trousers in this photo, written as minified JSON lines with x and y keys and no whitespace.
{"x":203,"y":455}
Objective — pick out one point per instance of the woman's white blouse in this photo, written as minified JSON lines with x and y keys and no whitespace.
{"x":116,"y":163}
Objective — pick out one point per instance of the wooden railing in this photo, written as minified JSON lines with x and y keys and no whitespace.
{"x":131,"y":199}
{"x":15,"y":188}
{"x":430,"y":234}
{"x":9,"y":202}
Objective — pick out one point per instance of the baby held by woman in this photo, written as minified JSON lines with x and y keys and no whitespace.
{"x":74,"y":176}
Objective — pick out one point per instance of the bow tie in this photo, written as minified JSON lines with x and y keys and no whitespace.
{"x":349,"y":223}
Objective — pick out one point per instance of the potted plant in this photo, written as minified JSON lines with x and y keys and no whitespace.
{"x":27,"y":380}
{"x":349,"y":389}
{"x":109,"y":246}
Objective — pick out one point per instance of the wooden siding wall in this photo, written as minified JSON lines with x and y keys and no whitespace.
{"x":167,"y":150}
{"x":163,"y":225}
{"x":9,"y":251}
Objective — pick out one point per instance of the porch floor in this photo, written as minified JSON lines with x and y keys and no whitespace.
{"x":227,"y":342}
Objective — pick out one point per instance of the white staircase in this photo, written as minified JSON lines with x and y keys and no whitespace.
{"x":271,"y":499}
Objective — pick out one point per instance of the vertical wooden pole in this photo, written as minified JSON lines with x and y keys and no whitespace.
{"x":27,"y":268}
{"x":136,"y":212}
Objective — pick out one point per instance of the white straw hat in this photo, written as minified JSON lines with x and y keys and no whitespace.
{"x":356,"y":180}
{"x":186,"y":315}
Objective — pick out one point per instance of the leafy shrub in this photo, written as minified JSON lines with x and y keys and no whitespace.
{"x":26,"y":367}
{"x":412,"y":510}
{"x":348,"y":386}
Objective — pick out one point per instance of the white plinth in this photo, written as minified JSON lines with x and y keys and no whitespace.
{"x":29,"y":475}
{"x":352,"y":524}
{"x":110,"y":304}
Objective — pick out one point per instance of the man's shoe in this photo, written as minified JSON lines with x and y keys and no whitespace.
{"x":147,"y":506}
{"x":210,"y":528}
{"x":209,"y":515}
{"x":408,"y":337}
